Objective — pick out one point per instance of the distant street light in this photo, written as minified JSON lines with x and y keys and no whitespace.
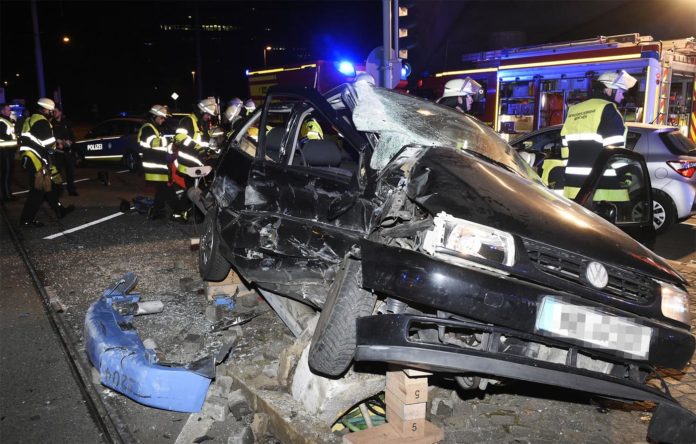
{"x":66,"y":39}
{"x":193,"y":80}
{"x":265,"y":50}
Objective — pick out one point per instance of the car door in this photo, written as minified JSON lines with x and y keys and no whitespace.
{"x":301,"y":211}
{"x":619,"y":189}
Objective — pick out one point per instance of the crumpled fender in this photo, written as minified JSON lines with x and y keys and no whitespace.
{"x":125,"y":365}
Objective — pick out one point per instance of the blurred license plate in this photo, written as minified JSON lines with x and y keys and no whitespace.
{"x":565,"y":320}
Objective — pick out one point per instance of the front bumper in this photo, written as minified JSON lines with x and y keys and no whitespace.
{"x":500,"y":300}
{"x":386,"y":338}
{"x":126,"y":366}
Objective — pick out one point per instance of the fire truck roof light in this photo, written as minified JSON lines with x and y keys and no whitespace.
{"x":346,"y":68}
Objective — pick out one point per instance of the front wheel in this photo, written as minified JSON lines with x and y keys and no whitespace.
{"x":664,"y":212}
{"x":212,"y":266}
{"x":334,"y":342}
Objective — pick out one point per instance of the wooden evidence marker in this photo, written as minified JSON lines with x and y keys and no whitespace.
{"x":406,"y":395}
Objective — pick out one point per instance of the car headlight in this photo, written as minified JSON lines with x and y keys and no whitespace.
{"x":675,"y":303}
{"x":451,"y":237}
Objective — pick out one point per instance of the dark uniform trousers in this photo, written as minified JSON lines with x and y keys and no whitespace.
{"x":35,"y":196}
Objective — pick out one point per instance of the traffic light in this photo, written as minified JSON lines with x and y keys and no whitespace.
{"x":407,"y":25}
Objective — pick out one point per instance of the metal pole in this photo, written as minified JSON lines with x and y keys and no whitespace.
{"x":199,"y":69}
{"x":386,"y":43}
{"x":395,"y":33}
{"x":37,"y":50}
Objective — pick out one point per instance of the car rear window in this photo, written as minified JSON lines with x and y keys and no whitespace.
{"x":677,"y":144}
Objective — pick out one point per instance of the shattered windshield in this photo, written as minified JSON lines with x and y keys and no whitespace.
{"x":401,"y":120}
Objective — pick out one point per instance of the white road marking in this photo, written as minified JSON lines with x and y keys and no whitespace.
{"x":65,"y":183}
{"x":72,"y":230}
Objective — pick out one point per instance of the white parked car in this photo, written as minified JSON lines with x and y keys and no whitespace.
{"x":671,"y":160}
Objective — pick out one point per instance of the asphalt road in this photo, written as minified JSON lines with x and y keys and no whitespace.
{"x":84,"y":253}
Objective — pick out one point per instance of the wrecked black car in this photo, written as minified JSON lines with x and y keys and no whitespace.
{"x":425,"y":240}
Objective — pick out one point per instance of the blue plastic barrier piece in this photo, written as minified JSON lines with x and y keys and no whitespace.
{"x":125,"y":365}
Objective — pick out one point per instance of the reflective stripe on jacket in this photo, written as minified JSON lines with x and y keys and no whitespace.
{"x":155,"y":152}
{"x":8,"y":138}
{"x":590,"y":127}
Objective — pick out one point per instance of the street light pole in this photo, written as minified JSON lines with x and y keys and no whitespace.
{"x":265,"y":50}
{"x":193,"y":83}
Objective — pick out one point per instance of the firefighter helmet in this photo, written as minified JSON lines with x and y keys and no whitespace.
{"x":46,"y":103}
{"x":617,"y":80}
{"x":158,"y":111}
{"x":208,"y":106}
{"x":235,"y":101}
{"x":311,"y":129}
{"x":249,"y":106}
{"x":462,"y":87}
{"x":232,"y":111}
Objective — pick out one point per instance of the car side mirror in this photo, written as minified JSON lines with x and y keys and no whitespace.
{"x":341,"y":204}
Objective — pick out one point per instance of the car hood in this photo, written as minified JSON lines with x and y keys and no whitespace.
{"x":464,"y":186}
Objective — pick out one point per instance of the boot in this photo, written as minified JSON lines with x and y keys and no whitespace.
{"x":62,"y":211}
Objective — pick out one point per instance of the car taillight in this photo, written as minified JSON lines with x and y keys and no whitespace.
{"x":683,"y":167}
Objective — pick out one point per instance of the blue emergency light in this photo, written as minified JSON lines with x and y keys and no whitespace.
{"x":346,"y":68}
{"x":405,"y":70}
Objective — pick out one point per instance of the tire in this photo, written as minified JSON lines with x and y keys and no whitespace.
{"x":132,"y":161}
{"x":664,"y":212}
{"x":212,"y":266}
{"x":333,"y":345}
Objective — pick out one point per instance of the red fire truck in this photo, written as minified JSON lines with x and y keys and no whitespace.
{"x":531,"y":87}
{"x":321,"y":75}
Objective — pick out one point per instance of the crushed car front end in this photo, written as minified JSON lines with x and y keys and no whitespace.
{"x":488,"y":274}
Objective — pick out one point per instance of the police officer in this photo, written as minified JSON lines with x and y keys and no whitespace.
{"x":8,"y":148}
{"x":192,"y":137}
{"x":37,"y":144}
{"x":590,"y":127}
{"x":460,"y":94}
{"x":65,"y":156}
{"x":156,"y":160}
{"x":249,"y":107}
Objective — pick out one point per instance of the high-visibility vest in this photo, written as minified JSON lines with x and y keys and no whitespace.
{"x":37,"y":139}
{"x":155,"y":151}
{"x":8,"y":138}
{"x":192,"y":142}
{"x":590,"y":127}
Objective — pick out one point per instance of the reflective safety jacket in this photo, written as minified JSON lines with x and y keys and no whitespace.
{"x":590,"y":127}
{"x":37,"y":140}
{"x":192,"y":142}
{"x":8,"y":138}
{"x":155,"y":153}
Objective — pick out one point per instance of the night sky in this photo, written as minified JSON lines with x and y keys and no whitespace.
{"x":124,"y":56}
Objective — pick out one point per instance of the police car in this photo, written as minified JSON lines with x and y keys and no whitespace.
{"x":114,"y":140}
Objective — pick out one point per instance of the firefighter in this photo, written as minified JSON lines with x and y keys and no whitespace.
{"x":249,"y":107}
{"x":590,"y":127}
{"x":157,"y":158}
{"x":310,"y":130}
{"x":37,"y":144}
{"x":460,"y":94}
{"x":231,"y":116}
{"x":192,"y":137}
{"x":8,"y":148}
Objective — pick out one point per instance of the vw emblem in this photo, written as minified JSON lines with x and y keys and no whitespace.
{"x":597,"y":274}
